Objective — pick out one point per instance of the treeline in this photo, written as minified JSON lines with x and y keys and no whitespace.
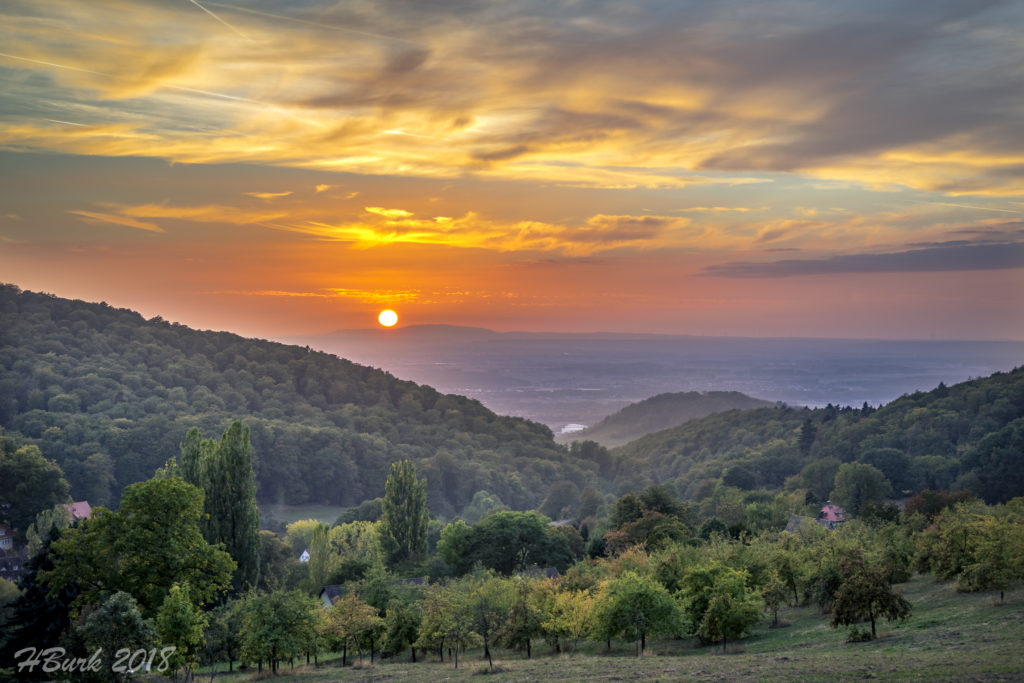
{"x":969,"y":436}
{"x":108,"y":394}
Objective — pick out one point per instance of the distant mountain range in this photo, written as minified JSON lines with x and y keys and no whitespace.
{"x":661,"y":412}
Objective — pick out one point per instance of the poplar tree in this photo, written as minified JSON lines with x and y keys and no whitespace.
{"x":405,"y":518}
{"x":223,"y":470}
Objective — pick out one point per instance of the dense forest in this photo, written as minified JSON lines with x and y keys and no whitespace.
{"x":110,"y":396}
{"x":969,"y":436}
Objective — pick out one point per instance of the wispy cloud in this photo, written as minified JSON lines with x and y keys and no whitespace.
{"x":589,"y":96}
{"x":269,"y":195}
{"x":950,"y":257}
{"x":375,"y":296}
{"x":95,"y":217}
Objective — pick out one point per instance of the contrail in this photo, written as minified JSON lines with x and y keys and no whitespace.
{"x":320,"y":25}
{"x":219,"y":19}
{"x":978,"y":208}
{"x":208,"y":93}
{"x":58,"y":66}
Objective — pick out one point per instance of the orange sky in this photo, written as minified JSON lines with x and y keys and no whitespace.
{"x":784,"y":169}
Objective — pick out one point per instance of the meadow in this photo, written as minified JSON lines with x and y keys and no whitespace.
{"x":950,"y":637}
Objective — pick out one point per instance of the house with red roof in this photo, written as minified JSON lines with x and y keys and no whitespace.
{"x":80,"y":509}
{"x":831,"y":515}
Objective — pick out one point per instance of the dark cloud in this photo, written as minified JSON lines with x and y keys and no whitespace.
{"x":950,"y":257}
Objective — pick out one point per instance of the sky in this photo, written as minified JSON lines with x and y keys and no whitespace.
{"x":851,"y":168}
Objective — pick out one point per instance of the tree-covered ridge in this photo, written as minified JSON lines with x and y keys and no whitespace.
{"x":665,"y":411}
{"x":108,"y":396}
{"x":967,"y":436}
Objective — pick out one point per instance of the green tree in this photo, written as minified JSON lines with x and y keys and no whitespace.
{"x":572,"y":614}
{"x":635,"y":606}
{"x":997,"y":554}
{"x":731,"y":610}
{"x":148,"y":545}
{"x":37,"y":618}
{"x":506,"y":542}
{"x":221,"y":639}
{"x":231,"y":504}
{"x":819,"y":477}
{"x":405,"y":516}
{"x":525,"y":615}
{"x":117,"y":624}
{"x":278,"y":567}
{"x":180,"y":623}
{"x":9,"y":593}
{"x":483,"y":502}
{"x":57,"y":517}
{"x":299,"y":534}
{"x":489,"y":601}
{"x":351,"y":622}
{"x":278,"y":626}
{"x":865,"y":592}
{"x":29,"y":484}
{"x":402,"y":625}
{"x":857,"y":484}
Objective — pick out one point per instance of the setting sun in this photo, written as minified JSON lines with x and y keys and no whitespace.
{"x":387,"y":318}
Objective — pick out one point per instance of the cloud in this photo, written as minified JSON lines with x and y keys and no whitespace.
{"x":375,"y":296}
{"x":268,"y":195}
{"x":596,"y":95}
{"x":388,"y":213}
{"x":95,"y":217}
{"x":949,"y":257}
{"x":323,"y":188}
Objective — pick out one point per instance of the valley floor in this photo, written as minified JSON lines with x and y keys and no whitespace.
{"x":950,"y":637}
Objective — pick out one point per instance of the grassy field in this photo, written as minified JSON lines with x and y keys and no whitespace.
{"x":286,"y":514}
{"x":950,"y":637}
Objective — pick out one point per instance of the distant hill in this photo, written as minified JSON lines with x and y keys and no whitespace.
{"x":110,"y":396}
{"x":662,"y":412}
{"x":966,"y":436}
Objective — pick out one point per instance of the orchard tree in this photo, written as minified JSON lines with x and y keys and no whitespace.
{"x":405,"y":516}
{"x":278,"y":626}
{"x":490,"y":600}
{"x":635,"y":606}
{"x":117,"y":624}
{"x":865,"y":593}
{"x":352,"y":622}
{"x":572,"y":614}
{"x":180,"y":623}
{"x":402,"y":625}
{"x":732,"y":610}
{"x":998,"y":555}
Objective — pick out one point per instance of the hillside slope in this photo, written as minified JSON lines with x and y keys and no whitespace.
{"x":110,"y":395}
{"x":663,"y":412}
{"x":969,"y":435}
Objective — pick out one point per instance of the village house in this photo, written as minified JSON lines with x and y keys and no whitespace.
{"x":831,"y":515}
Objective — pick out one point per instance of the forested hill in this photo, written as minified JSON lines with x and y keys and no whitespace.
{"x":663,"y":412}
{"x":110,"y":396}
{"x":967,"y":436}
